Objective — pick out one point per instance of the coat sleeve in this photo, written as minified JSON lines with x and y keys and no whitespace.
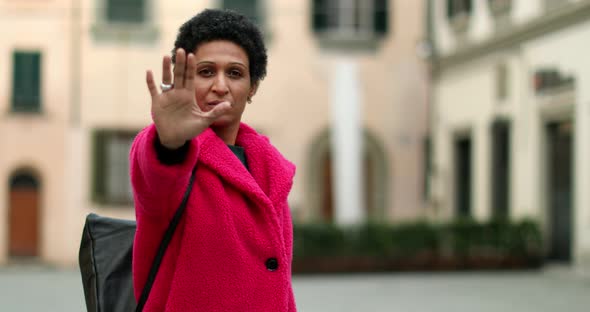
{"x":155,"y":184}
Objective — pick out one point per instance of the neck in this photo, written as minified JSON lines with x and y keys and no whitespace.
{"x":227,"y":133}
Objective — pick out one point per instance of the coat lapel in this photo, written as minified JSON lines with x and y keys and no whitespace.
{"x":270,"y":177}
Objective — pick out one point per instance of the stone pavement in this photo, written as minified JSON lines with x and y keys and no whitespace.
{"x":46,"y":289}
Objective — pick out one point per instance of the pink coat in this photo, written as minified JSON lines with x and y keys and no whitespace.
{"x":236,"y":228}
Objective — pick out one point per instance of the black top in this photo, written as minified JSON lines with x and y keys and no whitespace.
{"x":240,"y":153}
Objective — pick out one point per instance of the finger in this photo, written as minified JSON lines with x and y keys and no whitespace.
{"x":166,"y":73}
{"x":191,"y":68}
{"x":179,"y":69}
{"x":149,"y":78}
{"x":219,"y":110}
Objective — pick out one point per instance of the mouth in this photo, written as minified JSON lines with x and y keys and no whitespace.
{"x":213,"y":103}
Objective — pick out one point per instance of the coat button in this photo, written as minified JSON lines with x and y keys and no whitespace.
{"x":272,"y":264}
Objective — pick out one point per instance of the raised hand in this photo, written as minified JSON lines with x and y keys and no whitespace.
{"x":175,"y":112}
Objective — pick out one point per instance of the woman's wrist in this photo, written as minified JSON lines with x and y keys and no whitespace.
{"x":172,"y":145}
{"x":169,"y":142}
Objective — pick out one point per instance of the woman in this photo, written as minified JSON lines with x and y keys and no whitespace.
{"x":232,"y":249}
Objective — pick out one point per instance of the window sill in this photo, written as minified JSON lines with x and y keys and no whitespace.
{"x":25,"y":113}
{"x":351,"y":42}
{"x":138,"y":32}
{"x":40,"y":117}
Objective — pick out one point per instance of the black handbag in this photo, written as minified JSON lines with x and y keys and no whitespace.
{"x":105,"y":260}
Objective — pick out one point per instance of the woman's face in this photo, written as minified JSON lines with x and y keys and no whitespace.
{"x":223,"y":74}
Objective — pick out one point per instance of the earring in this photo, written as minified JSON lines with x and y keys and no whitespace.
{"x":249,"y":100}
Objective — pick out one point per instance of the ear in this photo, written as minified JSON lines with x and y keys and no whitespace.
{"x":253,"y":90}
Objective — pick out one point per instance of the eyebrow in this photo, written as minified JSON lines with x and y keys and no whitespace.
{"x":232,"y":63}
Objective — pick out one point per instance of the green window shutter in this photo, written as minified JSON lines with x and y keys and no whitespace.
{"x":99,"y":141}
{"x":380,"y":17}
{"x":248,"y":8}
{"x":319,"y":15}
{"x":26,"y":92}
{"x":130,"y":11}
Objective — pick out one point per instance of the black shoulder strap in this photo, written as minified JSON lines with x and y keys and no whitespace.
{"x":164,"y":244}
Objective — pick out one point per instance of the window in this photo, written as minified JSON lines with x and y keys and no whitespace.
{"x":458,"y":7}
{"x":551,"y":79}
{"x":350,"y":18}
{"x":112,"y":184}
{"x":125,"y":20}
{"x":458,"y":13}
{"x":26,"y":85}
{"x":126,"y":11}
{"x":249,"y":8}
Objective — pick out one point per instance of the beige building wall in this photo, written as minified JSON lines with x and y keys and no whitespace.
{"x":36,"y":142}
{"x":466,"y":102}
{"x":94,"y":79}
{"x":393,"y":85}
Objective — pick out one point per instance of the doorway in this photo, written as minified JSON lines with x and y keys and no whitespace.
{"x":463,"y":176}
{"x":23,"y":219}
{"x":559,"y":187}
{"x":500,"y":169}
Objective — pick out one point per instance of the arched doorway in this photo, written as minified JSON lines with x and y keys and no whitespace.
{"x":321,"y":179}
{"x":327,"y":205}
{"x":24,"y":199}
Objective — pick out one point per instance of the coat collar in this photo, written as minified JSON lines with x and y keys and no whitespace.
{"x":271,"y":175}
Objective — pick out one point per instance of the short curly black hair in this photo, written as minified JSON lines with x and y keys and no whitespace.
{"x":212,"y":24}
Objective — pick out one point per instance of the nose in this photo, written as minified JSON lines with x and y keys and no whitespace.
{"x":220,"y":85}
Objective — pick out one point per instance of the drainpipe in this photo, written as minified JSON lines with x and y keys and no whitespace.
{"x":431,"y":70}
{"x":76,"y":63}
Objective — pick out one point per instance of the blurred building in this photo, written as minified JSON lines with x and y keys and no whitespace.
{"x":510,"y":117}
{"x":345,"y":99}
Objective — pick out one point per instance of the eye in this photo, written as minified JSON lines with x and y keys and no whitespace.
{"x":205,"y":72}
{"x":235,"y":73}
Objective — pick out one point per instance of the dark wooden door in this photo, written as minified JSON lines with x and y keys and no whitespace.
{"x":463,"y":177}
{"x":328,"y":198}
{"x":24,"y":216}
{"x":500,"y":169}
{"x":369,"y":188}
{"x":327,"y":212}
{"x":560,"y":190}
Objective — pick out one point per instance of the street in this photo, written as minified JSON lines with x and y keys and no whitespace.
{"x":47,"y":289}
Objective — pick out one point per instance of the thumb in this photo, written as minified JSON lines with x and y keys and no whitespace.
{"x":219,"y":110}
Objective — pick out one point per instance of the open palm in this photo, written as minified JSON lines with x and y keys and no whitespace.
{"x":175,"y":112}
